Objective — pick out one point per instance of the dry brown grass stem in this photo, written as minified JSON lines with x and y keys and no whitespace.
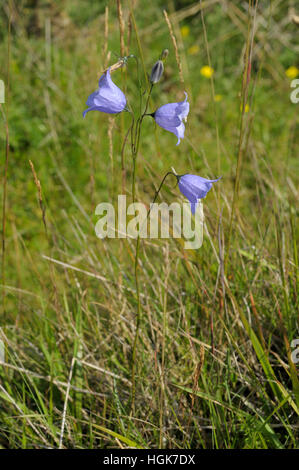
{"x":121,"y":28}
{"x":40,"y":197}
{"x":175,"y":46}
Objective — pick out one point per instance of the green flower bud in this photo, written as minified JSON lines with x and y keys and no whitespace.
{"x":164,"y":54}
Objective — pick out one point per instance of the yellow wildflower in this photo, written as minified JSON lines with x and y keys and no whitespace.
{"x":207,"y":71}
{"x":193,"y":50}
{"x":292,"y":72}
{"x":185,"y":30}
{"x":246,"y":108}
{"x":217,"y":98}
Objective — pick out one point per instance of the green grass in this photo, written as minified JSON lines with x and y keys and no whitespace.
{"x":69,"y":299}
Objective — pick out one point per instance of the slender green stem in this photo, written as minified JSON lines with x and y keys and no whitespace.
{"x":138,"y":318}
{"x":4,"y":206}
{"x":158,"y":190}
{"x":138,"y":321}
{"x":164,"y":335}
{"x":135,"y":147}
{"x":135,"y":143}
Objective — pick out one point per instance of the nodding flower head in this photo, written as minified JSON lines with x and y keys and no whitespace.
{"x":194,"y":187}
{"x":170,"y":116}
{"x":108,"y":98}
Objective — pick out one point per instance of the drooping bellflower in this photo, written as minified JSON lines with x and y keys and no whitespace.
{"x":108,"y":98}
{"x":194,"y":187}
{"x":170,"y":117}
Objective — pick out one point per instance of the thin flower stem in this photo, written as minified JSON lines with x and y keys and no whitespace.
{"x":4,"y":206}
{"x":138,"y":321}
{"x":135,"y":148}
{"x":164,"y":335}
{"x":135,"y":144}
{"x":123,"y":152}
{"x":138,"y":318}
{"x":158,"y":190}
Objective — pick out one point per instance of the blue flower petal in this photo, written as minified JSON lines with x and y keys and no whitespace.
{"x":92,"y":108}
{"x":108,"y":98}
{"x":170,"y":116}
{"x":195,"y":187}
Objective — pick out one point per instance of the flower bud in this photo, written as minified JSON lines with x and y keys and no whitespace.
{"x":164,"y":54}
{"x":157,"y":72}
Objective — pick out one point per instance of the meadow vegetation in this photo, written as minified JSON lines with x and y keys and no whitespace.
{"x":214,"y":365}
